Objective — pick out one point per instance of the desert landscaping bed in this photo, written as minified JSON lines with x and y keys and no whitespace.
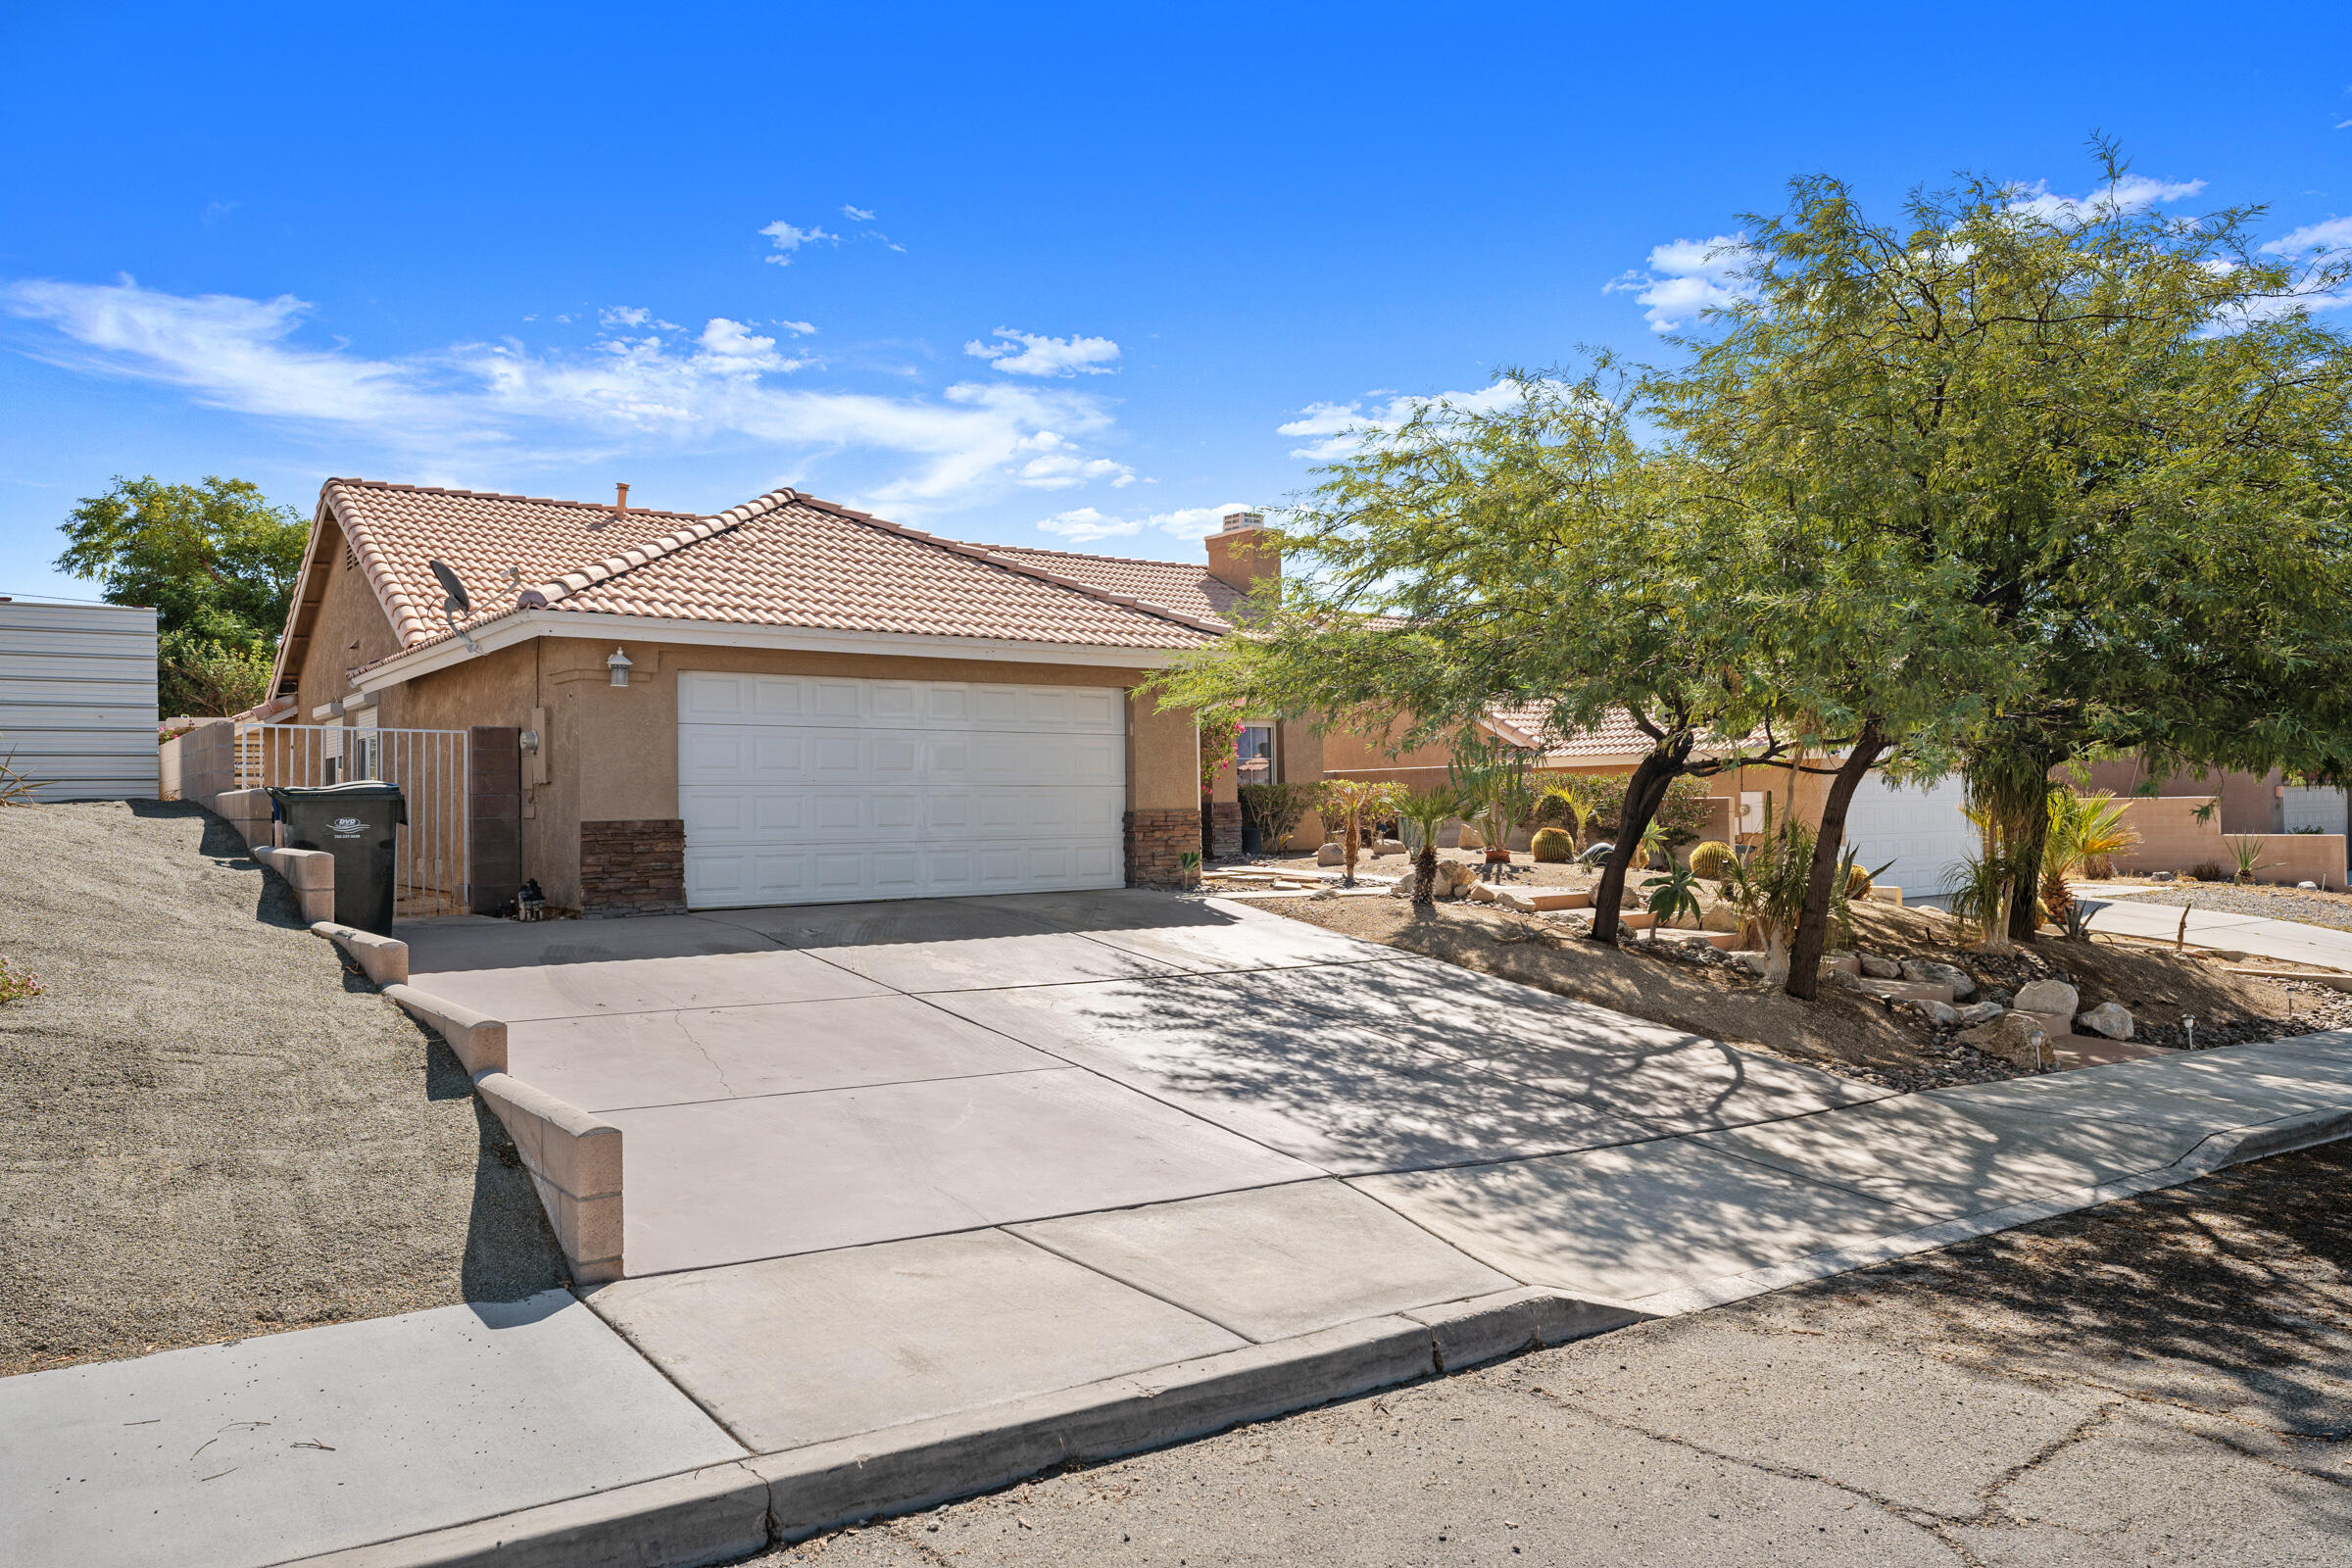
{"x":1693,"y":988}
{"x":213,"y":1129}
{"x":2304,"y":904}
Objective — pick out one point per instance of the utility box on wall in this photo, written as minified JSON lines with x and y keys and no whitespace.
{"x":78,"y":693}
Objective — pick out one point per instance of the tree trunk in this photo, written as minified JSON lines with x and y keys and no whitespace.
{"x":1645,"y":792}
{"x":1829,"y":847}
{"x":1776,"y":958}
{"x":1425,"y":870}
{"x":1348,"y":879}
{"x":2024,"y":924}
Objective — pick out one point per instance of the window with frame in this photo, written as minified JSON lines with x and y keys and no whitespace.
{"x":1253,"y":753}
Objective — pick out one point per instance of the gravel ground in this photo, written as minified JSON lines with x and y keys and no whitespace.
{"x":214,"y":1128}
{"x":2332,"y":909}
{"x":2166,"y":1381}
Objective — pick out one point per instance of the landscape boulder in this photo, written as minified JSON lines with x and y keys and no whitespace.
{"x":2012,"y":1038}
{"x":1928,"y":972}
{"x":1720,"y":916}
{"x":1332,"y":854}
{"x":1879,"y":966}
{"x":2047,"y":995}
{"x":1935,"y":1012}
{"x":2110,"y":1018}
{"x":1977,"y":1012}
{"x":1453,"y":880}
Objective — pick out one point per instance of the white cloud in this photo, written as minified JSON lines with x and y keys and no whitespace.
{"x":1085,"y":524}
{"x":512,"y":402}
{"x":623,"y":316}
{"x":1045,"y":356}
{"x":796,"y":328}
{"x":1340,"y":426}
{"x":856,"y":214}
{"x":1687,"y":277}
{"x":2335,"y":233}
{"x":787,"y":239}
{"x":2130,"y":194}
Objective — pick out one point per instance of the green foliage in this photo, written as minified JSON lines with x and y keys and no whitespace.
{"x":1277,"y":809}
{"x":2085,"y":831}
{"x":2077,"y":921}
{"x":216,"y":561}
{"x":1671,"y":896}
{"x":2209,"y":871}
{"x":209,"y":680}
{"x":1560,"y":804}
{"x":1553,"y":846}
{"x":1189,"y":860}
{"x":1768,"y":889}
{"x":2245,"y":852}
{"x":17,"y":984}
{"x":1713,"y":859}
{"x":1683,"y":812}
{"x":14,"y":788}
{"x":1349,"y":802}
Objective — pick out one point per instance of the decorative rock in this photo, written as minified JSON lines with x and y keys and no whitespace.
{"x":1752,"y":962}
{"x":1720,"y":916}
{"x":1842,"y":979}
{"x":1471,"y":839}
{"x":1997,"y":995}
{"x":2110,"y":1018}
{"x":1879,"y":967}
{"x":2047,"y":995}
{"x":2012,"y":1038}
{"x":1388,"y":847}
{"x":1929,"y":972}
{"x":1977,"y":1012}
{"x":1330,"y":854}
{"x":1934,"y":1010}
{"x":2312,"y":886}
{"x":2161,"y":876}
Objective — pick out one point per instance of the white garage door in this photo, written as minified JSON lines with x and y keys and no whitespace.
{"x":1921,"y":829}
{"x":802,"y":789}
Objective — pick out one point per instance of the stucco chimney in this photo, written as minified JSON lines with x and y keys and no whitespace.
{"x":1243,"y":551}
{"x":621,"y":504}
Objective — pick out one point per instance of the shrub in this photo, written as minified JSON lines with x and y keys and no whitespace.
{"x":1553,"y":846}
{"x":1276,"y":811}
{"x":1712,"y":859}
{"x":2211,"y":871}
{"x":17,"y":984}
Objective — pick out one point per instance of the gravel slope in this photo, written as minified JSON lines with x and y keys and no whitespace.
{"x":212,"y":1128}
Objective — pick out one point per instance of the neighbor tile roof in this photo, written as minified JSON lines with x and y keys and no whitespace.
{"x":1614,"y":736}
{"x":783,"y":559}
{"x":1188,"y":589}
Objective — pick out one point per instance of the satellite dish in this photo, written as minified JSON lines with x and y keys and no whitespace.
{"x":456,"y":604}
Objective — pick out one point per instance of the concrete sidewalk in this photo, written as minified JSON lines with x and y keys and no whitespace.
{"x":692,"y":1416}
{"x":2289,"y":939}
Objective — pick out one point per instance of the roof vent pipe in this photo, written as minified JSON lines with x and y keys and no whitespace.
{"x":620,"y":506}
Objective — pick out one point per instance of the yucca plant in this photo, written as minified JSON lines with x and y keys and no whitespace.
{"x":1768,"y":889}
{"x":2245,"y":852}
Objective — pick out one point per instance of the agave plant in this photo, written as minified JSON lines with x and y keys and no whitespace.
{"x":2245,"y":852}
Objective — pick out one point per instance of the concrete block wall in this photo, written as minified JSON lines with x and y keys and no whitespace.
{"x":574,"y":1161}
{"x":310,"y":873}
{"x":2171,"y":839}
{"x":249,"y":812}
{"x":201,"y":764}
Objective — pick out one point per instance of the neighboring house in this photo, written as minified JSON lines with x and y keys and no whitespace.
{"x":787,"y":702}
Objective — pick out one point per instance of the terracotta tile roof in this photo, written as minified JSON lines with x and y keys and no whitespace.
{"x":783,"y":559}
{"x":1190,"y":590}
{"x":1525,"y":724}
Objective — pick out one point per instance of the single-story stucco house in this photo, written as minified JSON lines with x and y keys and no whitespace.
{"x":786,"y":702}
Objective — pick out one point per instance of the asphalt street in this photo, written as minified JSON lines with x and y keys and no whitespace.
{"x":2162,"y":1380}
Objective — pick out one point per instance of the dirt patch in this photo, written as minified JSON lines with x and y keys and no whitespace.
{"x":1523,"y":872}
{"x":215,"y":1128}
{"x":1857,"y":1035}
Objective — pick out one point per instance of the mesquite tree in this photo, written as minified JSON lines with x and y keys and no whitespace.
{"x":2120,"y":434}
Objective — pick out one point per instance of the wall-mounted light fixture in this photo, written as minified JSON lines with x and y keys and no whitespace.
{"x":529,"y":739}
{"x":618,"y":664}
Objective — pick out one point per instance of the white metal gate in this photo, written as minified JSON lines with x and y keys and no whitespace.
{"x":434,"y":854}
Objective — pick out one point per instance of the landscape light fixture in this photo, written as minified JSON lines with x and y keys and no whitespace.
{"x":618,"y":664}
{"x":456,"y":604}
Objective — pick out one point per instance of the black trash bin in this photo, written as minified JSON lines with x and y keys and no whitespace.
{"x":357,"y":825}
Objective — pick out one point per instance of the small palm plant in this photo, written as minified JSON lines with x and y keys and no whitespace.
{"x":1424,"y":811}
{"x":1350,"y":802}
{"x":1671,"y":896}
{"x":2086,"y":831}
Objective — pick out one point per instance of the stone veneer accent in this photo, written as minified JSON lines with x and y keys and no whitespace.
{"x":1154,"y":841}
{"x":633,"y":866}
{"x":1224,"y":829}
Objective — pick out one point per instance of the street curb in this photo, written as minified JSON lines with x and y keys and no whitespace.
{"x":682,"y":1521}
{"x":383,"y":959}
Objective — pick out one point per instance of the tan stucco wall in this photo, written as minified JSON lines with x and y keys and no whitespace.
{"x":2250,"y":802}
{"x":350,"y":630}
{"x":2171,"y":839}
{"x":611,"y":753}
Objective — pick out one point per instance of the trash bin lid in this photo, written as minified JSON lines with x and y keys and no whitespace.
{"x":368,"y":788}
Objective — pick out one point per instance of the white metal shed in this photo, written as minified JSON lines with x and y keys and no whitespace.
{"x":77,"y":698}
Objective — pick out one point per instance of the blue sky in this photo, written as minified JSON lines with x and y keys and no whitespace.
{"x":1070,"y":277}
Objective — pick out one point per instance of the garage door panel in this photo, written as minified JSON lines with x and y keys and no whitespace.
{"x":821,"y":789}
{"x":1921,"y":828}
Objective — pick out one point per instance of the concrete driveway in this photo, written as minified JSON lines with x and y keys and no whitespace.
{"x":804,"y":1079}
